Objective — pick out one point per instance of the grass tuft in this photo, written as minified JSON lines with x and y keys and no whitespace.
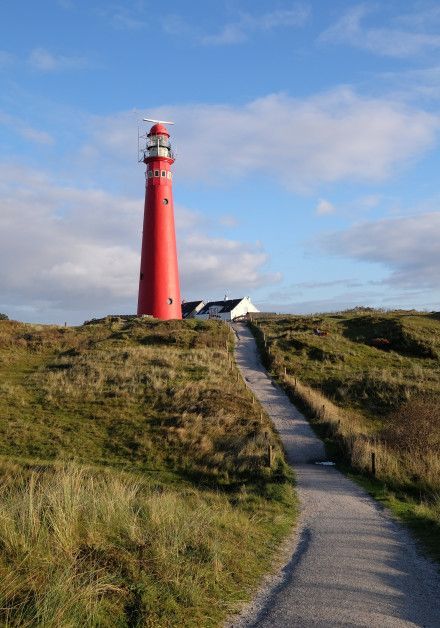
{"x":133,"y":464}
{"x":81,"y":548}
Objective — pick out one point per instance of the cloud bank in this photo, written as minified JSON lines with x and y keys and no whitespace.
{"x":334,"y":136}
{"x":408,"y":247}
{"x":66,"y":249}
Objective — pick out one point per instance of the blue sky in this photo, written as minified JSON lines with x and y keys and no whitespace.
{"x":307,"y":136}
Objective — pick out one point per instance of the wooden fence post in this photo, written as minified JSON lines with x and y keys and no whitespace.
{"x":373,"y":464}
{"x":270,"y":455}
{"x":269,"y":450}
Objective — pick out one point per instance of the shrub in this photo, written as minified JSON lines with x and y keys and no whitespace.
{"x":415,"y":426}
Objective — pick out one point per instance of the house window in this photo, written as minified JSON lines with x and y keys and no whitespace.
{"x":156,"y":173}
{"x":164,"y":173}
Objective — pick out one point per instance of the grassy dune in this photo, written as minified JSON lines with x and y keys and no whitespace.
{"x":365,"y":399}
{"x":135,"y":489}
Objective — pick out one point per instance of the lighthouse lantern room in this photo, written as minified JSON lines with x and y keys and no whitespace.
{"x":159,"y":291}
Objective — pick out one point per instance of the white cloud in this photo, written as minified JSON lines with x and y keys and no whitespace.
{"x":76,"y":252}
{"x":334,"y":136}
{"x":44,"y":61}
{"x":229,"y":34}
{"x":391,"y":41}
{"x":420,"y":84}
{"x":296,"y":16}
{"x":425,"y":16}
{"x":324,"y":208}
{"x":174,"y":24}
{"x":228,"y":220}
{"x":239,"y":31}
{"x":407,"y":246}
{"x":368,"y":202}
{"x":34,"y":135}
{"x":125,"y":21}
{"x":26,"y":131}
{"x":211,"y":265}
{"x":128,"y":15}
{"x":6,"y":59}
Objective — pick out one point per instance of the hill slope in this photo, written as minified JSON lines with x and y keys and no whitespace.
{"x":133,"y":463}
{"x":370,"y":381}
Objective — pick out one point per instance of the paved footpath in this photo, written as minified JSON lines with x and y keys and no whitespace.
{"x":352,"y":564}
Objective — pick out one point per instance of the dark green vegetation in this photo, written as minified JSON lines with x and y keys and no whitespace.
{"x":370,"y":381}
{"x":135,"y":484}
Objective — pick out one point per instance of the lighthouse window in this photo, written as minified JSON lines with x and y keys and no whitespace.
{"x":156,"y":173}
{"x":164,"y":174}
{"x":170,"y":301}
{"x":165,"y":201}
{"x":169,"y":175}
{"x":150,"y":174}
{"x":142,"y":275}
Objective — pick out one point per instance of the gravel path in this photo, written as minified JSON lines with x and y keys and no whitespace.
{"x":351,"y":564}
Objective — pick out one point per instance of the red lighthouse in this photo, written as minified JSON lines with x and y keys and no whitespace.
{"x":159,"y":291}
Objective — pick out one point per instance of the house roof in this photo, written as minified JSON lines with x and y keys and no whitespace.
{"x":189,"y":306}
{"x":225,"y":306}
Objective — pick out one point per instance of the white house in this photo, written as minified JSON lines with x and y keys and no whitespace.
{"x":226,"y":310}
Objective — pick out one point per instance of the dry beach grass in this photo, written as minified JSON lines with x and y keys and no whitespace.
{"x":133,"y":465}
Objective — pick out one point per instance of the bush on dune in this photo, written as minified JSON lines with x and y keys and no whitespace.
{"x":415,"y":426}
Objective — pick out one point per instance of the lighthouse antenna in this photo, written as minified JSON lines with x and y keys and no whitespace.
{"x":157,"y":121}
{"x":141,"y":151}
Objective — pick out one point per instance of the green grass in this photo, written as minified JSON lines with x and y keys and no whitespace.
{"x":133,"y":464}
{"x":347,"y":368}
{"x":363,"y":399}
